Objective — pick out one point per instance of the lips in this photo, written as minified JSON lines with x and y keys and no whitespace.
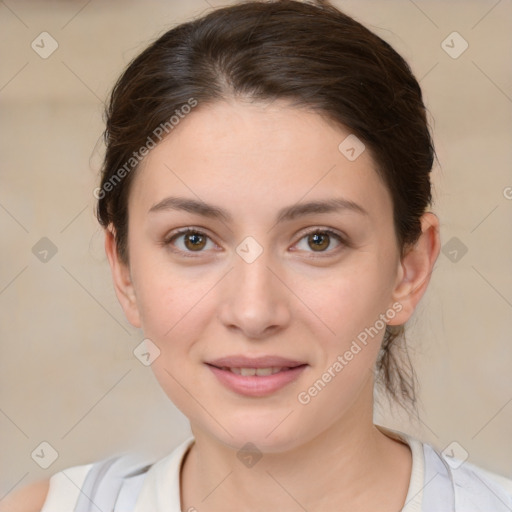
{"x":255,"y":362}
{"x":260,"y":372}
{"x":256,"y":377}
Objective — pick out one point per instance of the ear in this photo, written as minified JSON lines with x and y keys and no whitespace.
{"x":415,"y":269}
{"x":122,"y":280}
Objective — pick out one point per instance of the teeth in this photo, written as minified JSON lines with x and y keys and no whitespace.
{"x":246,"y":372}
{"x":266,"y":371}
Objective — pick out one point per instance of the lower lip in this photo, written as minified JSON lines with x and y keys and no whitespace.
{"x":254,"y":385}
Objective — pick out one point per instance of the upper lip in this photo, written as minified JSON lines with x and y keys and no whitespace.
{"x":239,"y":361}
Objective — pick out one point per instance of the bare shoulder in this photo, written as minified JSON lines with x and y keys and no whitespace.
{"x":27,"y":499}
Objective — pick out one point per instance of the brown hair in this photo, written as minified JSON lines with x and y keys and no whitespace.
{"x":309,"y":53}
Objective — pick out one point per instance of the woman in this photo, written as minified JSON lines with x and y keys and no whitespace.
{"x":265,"y":198}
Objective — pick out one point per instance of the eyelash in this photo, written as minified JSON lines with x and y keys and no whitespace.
{"x":190,"y":254}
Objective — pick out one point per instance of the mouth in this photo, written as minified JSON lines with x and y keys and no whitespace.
{"x":256,"y":377}
{"x":266,"y":361}
{"x":260,"y":372}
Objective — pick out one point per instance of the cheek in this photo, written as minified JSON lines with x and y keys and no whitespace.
{"x":169,"y":298}
{"x":348,"y":301}
{"x":350,"y":307}
{"x":173,"y":320}
{"x":175,"y":308}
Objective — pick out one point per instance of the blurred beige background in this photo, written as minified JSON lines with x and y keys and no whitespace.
{"x":68,"y":374}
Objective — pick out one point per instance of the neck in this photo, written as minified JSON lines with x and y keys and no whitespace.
{"x":351,"y":465}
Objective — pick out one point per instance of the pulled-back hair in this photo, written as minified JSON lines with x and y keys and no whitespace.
{"x":310,"y":54}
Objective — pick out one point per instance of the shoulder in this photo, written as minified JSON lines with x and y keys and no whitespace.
{"x":65,"y":489}
{"x":27,"y":499}
{"x":501,"y":480}
{"x":473,"y":487}
{"x":112,"y":482}
{"x":96,"y":486}
{"x":442,"y":482}
{"x":476,"y":484}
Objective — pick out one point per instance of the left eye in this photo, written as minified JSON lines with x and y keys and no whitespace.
{"x":320,"y":240}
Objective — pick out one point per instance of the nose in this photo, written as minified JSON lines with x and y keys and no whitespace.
{"x":256,"y":299}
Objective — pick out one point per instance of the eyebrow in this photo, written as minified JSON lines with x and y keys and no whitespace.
{"x":285,"y":214}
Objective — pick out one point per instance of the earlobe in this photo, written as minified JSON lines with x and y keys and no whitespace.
{"x":416,"y":268}
{"x":122,"y":280}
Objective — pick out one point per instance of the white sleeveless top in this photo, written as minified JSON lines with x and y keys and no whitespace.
{"x":121,"y":484}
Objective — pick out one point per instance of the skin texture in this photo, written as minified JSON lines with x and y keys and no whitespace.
{"x":29,"y":498}
{"x":293,"y":301}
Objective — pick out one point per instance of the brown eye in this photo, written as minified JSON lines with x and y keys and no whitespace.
{"x":188,"y":241}
{"x":321,"y":241}
{"x":318,"y":241}
{"x":194,"y":241}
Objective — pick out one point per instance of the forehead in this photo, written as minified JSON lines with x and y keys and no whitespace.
{"x":258,"y":156}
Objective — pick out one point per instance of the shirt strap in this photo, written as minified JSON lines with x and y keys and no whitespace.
{"x":438,"y":490}
{"x":109,"y":482}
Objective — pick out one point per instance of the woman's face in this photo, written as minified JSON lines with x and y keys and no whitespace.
{"x":255,"y":281}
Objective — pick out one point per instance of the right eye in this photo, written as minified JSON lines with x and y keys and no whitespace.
{"x":192,"y":240}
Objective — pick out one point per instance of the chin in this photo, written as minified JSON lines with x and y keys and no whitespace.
{"x":267,"y":431}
